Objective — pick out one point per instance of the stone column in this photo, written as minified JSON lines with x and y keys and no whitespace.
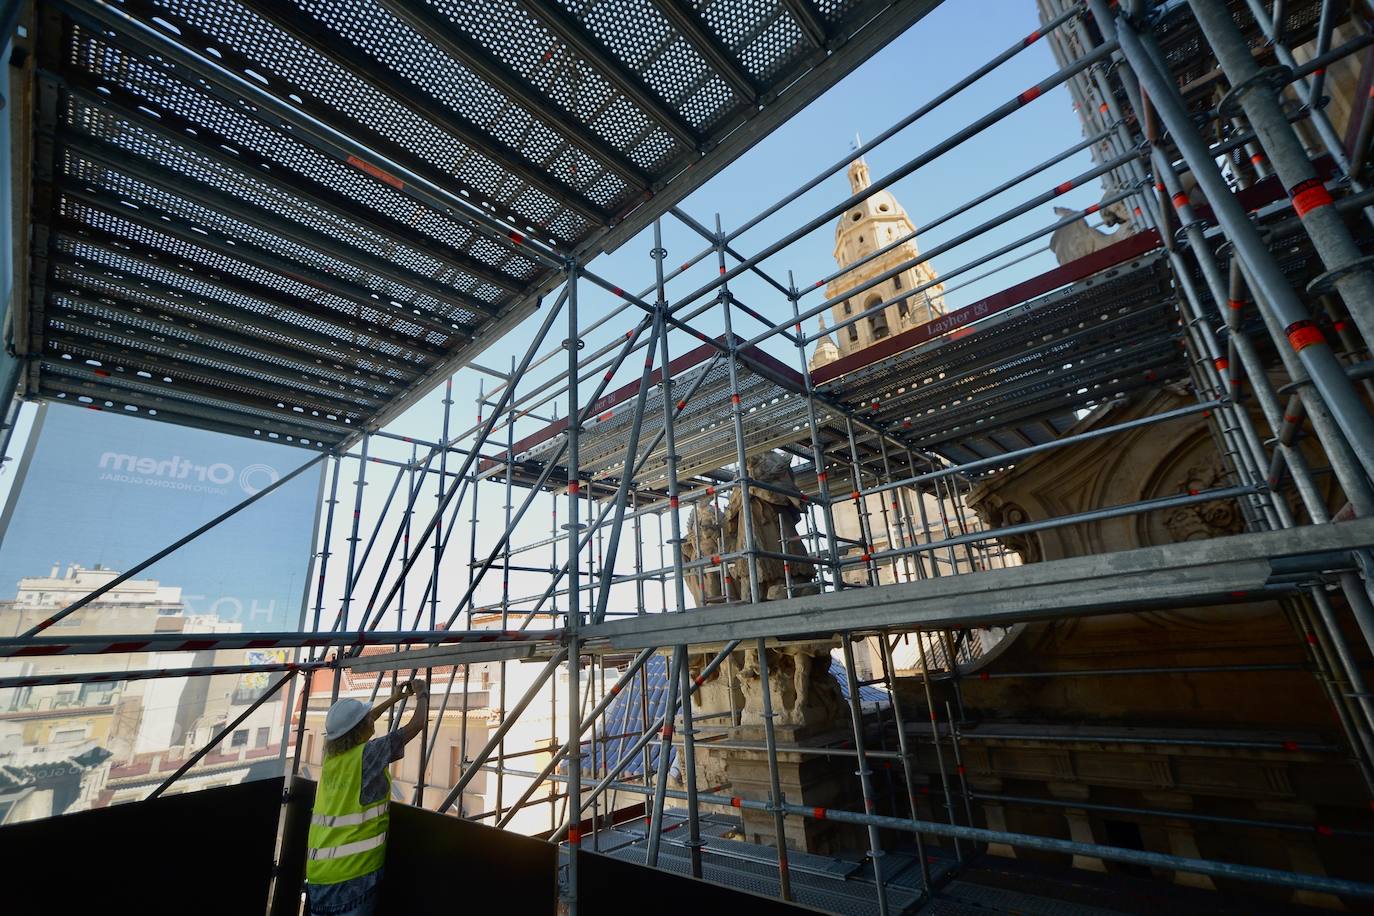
{"x":1080,"y":827}
{"x":1302,"y":853}
{"x":1181,"y":835}
{"x":994,"y":815}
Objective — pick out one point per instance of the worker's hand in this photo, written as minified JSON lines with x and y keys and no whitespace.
{"x":418,"y":687}
{"x":403,"y":691}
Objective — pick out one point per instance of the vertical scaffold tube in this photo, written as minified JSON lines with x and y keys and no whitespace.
{"x":574,"y":697}
{"x":746,"y":515}
{"x":908,"y":776}
{"x":1311,"y":201}
{"x":1327,"y":374}
{"x":875,"y":845}
{"x":817,"y":449}
{"x":358,"y":485}
{"x":935,"y":737}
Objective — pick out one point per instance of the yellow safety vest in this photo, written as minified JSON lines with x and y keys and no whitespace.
{"x":347,"y":839}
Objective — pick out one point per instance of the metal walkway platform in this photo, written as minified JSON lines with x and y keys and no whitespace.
{"x":291,"y":219}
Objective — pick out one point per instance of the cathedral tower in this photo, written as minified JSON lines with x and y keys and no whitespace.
{"x":864,"y":229}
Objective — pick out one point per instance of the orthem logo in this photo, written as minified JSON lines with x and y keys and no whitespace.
{"x":177,"y":473}
{"x":257,"y":477}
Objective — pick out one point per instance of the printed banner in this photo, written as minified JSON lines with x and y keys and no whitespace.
{"x":102,"y":492}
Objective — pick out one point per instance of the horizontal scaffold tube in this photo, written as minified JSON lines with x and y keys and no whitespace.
{"x":1005,"y":458}
{"x":1274,"y":876}
{"x":100,"y":677}
{"x":1092,"y":515}
{"x":117,"y":644}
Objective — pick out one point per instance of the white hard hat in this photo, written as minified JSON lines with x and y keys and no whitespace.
{"x":342,"y":717}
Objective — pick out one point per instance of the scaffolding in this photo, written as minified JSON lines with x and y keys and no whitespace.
{"x":1258,"y":303}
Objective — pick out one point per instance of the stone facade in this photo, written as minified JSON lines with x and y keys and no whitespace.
{"x":1260,"y":744}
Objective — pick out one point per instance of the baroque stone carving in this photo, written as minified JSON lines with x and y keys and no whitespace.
{"x":802,"y":690}
{"x":1000,"y":513}
{"x":774,"y":517}
{"x":702,"y":539}
{"x":1200,"y":521}
{"x":1078,"y":239}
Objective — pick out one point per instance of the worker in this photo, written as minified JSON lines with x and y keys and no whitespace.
{"x":343,"y":870}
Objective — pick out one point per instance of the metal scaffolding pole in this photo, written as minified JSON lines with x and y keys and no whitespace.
{"x":1316,"y":356}
{"x":1260,"y":101}
{"x":1260,"y":875}
{"x":325,"y":552}
{"x":935,"y":738}
{"x":907,"y":756}
{"x":875,"y":846}
{"x":1339,"y":416}
{"x":648,"y":735}
{"x":219,"y":735}
{"x":505,"y":589}
{"x":568,"y":885}
{"x":346,"y":605}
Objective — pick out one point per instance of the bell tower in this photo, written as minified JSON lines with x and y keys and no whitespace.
{"x":864,"y":230}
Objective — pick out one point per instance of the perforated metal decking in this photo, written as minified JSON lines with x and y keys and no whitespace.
{"x":1018,"y":377}
{"x":291,"y":219}
{"x":1000,"y":374}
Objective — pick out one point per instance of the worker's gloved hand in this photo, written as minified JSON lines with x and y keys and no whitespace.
{"x":418,"y":687}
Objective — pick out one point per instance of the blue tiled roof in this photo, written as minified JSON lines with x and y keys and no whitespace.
{"x":624,"y":722}
{"x":866,"y":694}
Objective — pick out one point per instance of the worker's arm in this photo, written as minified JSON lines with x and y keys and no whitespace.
{"x":420,"y":690}
{"x":389,"y":702}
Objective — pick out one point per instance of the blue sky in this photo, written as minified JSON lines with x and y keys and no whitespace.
{"x":949,"y":43}
{"x":953,"y":40}
{"x":915,"y":67}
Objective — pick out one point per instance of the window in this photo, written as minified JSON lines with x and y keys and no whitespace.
{"x":455,"y":764}
{"x":903,"y":309}
{"x":261,"y":739}
{"x":69,"y":736}
{"x":310,"y":747}
{"x":239,"y":738}
{"x":897,"y":281}
{"x":851,"y":330}
{"x":97,"y":694}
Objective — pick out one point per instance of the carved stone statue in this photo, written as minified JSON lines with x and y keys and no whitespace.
{"x":774,"y":518}
{"x":1200,"y":521}
{"x":701,"y":540}
{"x":802,"y":690}
{"x":1078,"y":239}
{"x":1001,"y":513}
{"x":799,"y":676}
